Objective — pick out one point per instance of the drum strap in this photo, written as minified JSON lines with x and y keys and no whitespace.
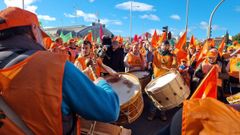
{"x":14,"y":117}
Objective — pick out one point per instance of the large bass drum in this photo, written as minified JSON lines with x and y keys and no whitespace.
{"x":143,"y":76}
{"x":128,"y":89}
{"x":168,"y":91}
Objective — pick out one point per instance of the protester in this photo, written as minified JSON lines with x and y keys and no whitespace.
{"x":44,"y":89}
{"x":134,"y":60}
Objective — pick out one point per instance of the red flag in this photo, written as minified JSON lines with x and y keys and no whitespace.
{"x":192,"y":40}
{"x":101,"y":32}
{"x":221,"y":47}
{"x":135,"y":39}
{"x":208,"y":86}
{"x":154,"y":39}
{"x":181,"y":41}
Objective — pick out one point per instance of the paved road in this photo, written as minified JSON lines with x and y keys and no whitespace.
{"x":144,"y":127}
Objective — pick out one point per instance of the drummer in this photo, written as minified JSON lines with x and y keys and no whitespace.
{"x":87,"y":59}
{"x":134,"y":60}
{"x":163,"y":61}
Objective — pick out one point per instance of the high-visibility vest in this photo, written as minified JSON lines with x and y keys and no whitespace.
{"x":33,"y":89}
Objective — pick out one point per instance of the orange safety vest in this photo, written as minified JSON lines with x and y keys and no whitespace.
{"x":160,"y":60}
{"x":234,"y":69}
{"x":82,"y":59}
{"x":73,"y":55}
{"x":33,"y":89}
{"x":209,"y":117}
{"x":135,"y":61}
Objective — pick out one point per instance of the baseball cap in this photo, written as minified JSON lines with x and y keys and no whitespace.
{"x":16,"y":17}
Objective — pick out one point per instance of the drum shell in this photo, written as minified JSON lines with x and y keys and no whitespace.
{"x":143,"y":80}
{"x":170,"y":95}
{"x":132,"y":109}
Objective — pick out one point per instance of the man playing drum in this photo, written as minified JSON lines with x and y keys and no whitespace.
{"x":163,"y":61}
{"x":89,"y":64}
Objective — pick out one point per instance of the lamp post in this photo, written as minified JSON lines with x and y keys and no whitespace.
{"x":187,"y":9}
{"x":22,"y":4}
{"x":210,"y":19}
{"x":130,"y":25}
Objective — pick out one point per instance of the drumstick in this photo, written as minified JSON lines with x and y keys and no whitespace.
{"x":89,"y":64}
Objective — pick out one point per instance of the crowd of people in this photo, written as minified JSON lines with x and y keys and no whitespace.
{"x":47,"y":82}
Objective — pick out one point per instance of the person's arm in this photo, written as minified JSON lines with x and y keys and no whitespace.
{"x":126,"y":61}
{"x":93,"y":102}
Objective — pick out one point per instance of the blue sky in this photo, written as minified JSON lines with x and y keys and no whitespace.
{"x":147,"y":15}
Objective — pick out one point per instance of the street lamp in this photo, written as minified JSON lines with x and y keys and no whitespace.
{"x":130,"y":17}
{"x":210,"y":19}
{"x":187,"y":9}
{"x":22,"y":4}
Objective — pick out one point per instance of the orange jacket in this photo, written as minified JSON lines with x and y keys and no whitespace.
{"x":209,"y":117}
{"x":82,"y":59}
{"x":159,"y":61}
{"x":33,"y":89}
{"x":234,"y":67}
{"x":135,"y":61}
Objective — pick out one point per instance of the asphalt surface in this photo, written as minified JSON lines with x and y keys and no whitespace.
{"x":142,"y":126}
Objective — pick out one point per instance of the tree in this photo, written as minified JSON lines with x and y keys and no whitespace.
{"x":236,"y":37}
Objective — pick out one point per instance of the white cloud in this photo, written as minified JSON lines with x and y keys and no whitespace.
{"x":91,"y":1}
{"x":69,"y":15}
{"x":150,"y":17}
{"x":157,"y":30}
{"x":136,"y":6}
{"x":237,"y":8}
{"x":28,"y":5}
{"x":204,"y":25}
{"x":18,"y":3}
{"x":90,"y":17}
{"x":175,"y":17}
{"x":87,"y":17}
{"x":46,"y":18}
{"x":108,"y":21}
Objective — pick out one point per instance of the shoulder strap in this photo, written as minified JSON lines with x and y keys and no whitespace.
{"x":14,"y":117}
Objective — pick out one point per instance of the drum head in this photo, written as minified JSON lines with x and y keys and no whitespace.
{"x":140,"y":74}
{"x":126,"y":87}
{"x":160,"y":82}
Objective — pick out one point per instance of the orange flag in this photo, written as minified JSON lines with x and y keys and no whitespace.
{"x":203,"y":53}
{"x":208,"y":86}
{"x":192,"y":40}
{"x":162,"y":38}
{"x":221,"y":47}
{"x":181,"y":41}
{"x":154,"y":39}
{"x":89,"y":37}
{"x":180,"y":53}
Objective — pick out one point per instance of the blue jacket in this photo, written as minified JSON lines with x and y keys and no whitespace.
{"x":80,"y":95}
